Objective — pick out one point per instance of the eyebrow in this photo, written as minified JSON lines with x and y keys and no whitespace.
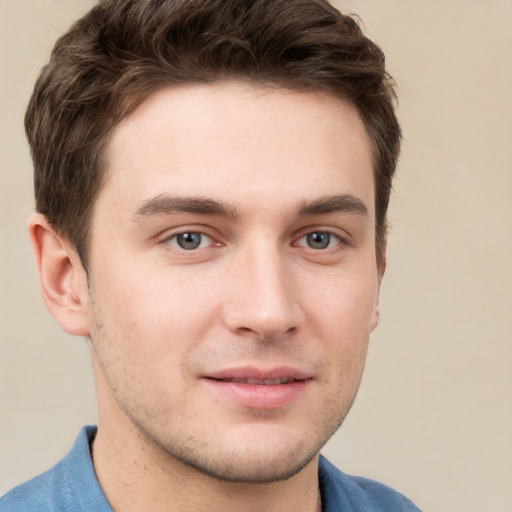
{"x":333,"y":204}
{"x":165,"y":204}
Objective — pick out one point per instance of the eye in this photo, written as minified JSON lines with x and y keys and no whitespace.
{"x":190,"y":241}
{"x":319,"y":240}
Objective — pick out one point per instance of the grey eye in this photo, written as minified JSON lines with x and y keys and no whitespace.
{"x":189,"y":241}
{"x":318,"y":240}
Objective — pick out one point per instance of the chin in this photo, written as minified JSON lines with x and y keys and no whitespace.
{"x":254,"y":455}
{"x":251,"y":469}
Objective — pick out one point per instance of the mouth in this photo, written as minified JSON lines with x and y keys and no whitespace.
{"x":258,"y":376}
{"x":259,"y":389}
{"x":260,"y":382}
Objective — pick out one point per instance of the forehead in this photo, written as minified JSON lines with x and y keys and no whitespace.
{"x":241,"y":143}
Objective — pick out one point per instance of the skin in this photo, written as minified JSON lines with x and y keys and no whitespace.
{"x":248,"y":173}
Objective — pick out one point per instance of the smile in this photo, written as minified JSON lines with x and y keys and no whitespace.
{"x":260,"y":382}
{"x":259,"y":389}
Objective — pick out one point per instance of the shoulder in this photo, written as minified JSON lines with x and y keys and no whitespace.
{"x":48,"y":491}
{"x":355,"y":493}
{"x":70,"y":486}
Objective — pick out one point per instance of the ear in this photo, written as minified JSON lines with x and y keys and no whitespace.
{"x":62,"y":277}
{"x":381,"y":268}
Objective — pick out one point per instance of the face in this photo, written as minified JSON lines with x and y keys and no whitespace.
{"x":233,"y":276}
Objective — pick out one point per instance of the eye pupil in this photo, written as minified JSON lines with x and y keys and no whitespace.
{"x":318,"y":240}
{"x":189,"y":241}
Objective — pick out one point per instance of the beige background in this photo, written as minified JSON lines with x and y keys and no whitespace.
{"x":434,"y":414}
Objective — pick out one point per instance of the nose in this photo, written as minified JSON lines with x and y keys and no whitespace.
{"x":263,"y":297}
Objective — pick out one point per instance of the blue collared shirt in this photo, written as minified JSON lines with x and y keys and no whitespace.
{"x":72,"y":486}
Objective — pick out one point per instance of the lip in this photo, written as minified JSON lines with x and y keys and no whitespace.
{"x":259,"y":388}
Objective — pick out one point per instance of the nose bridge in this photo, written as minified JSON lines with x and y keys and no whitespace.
{"x":262,"y":301}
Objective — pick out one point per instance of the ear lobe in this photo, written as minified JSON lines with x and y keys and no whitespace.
{"x":62,"y":277}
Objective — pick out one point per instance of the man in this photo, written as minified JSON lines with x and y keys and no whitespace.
{"x":212,"y":180}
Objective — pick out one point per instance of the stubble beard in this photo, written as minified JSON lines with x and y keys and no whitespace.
{"x":236,"y":465}
{"x":175,"y":446}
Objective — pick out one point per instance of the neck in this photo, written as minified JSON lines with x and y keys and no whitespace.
{"x":135,"y":475}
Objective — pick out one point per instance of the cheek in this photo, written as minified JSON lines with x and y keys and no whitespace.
{"x":346,"y":305}
{"x":343,"y":318}
{"x":153,"y":316}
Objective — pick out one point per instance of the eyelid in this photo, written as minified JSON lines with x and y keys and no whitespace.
{"x":205,"y":241}
{"x":335,"y":243}
{"x":342,"y":235}
{"x":166,"y":236}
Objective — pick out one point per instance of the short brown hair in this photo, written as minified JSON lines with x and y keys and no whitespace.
{"x":123,"y":50}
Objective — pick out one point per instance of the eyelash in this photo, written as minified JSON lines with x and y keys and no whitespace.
{"x":331,"y":237}
{"x":339,"y":241}
{"x":175,"y":237}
